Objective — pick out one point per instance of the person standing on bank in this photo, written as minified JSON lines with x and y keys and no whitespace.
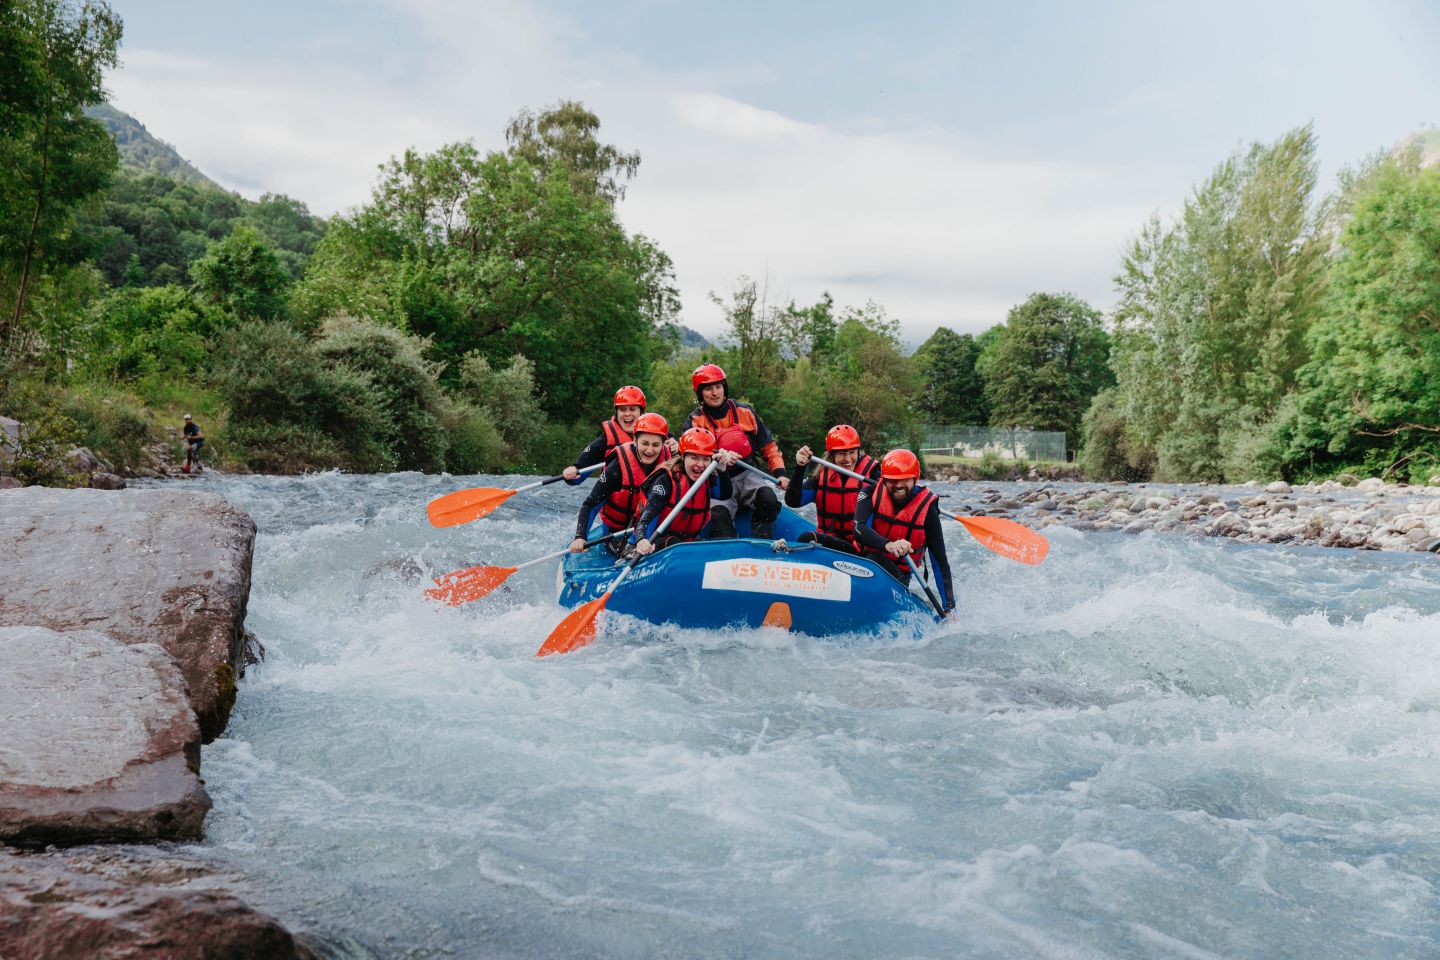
{"x":718,"y":413}
{"x":194,"y":440}
{"x":896,"y":517}
{"x":833,"y":493}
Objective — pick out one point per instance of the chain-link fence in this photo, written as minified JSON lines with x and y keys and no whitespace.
{"x":1009,"y":443}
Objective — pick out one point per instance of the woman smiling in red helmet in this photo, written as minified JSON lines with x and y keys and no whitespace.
{"x":669,"y":484}
{"x":620,"y":428}
{"x":897,"y":518}
{"x":618,"y":497}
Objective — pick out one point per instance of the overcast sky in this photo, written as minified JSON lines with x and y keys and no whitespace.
{"x":945,"y":160}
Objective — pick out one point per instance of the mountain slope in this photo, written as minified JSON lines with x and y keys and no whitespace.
{"x":140,"y":150}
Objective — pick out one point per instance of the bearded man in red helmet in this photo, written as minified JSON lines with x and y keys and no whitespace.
{"x":719,"y":414}
{"x":833,"y":493}
{"x":896,"y":517}
{"x":620,"y":428}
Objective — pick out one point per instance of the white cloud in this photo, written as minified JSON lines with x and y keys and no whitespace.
{"x":925,"y":223}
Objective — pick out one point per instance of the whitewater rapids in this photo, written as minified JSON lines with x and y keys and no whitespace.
{"x":1149,"y":746}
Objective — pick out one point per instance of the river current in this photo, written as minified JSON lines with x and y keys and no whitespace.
{"x":1148,"y":746}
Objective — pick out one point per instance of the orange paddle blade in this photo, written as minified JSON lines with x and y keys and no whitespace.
{"x":1007,"y":538}
{"x":472,"y":583}
{"x":462,"y":506}
{"x":576,"y":630}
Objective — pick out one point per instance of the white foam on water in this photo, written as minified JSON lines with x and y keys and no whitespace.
{"x":1145,"y":747}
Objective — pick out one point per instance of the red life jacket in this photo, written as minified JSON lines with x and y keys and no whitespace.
{"x":695,"y":514}
{"x":615,"y":435}
{"x":907,"y":523}
{"x":624,"y":506}
{"x":835,"y":496}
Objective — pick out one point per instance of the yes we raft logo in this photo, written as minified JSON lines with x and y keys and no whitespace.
{"x":777,"y":577}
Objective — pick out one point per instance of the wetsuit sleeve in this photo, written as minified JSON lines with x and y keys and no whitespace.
{"x":800,"y":493}
{"x":766,"y":447}
{"x":591,"y":455}
{"x":610,"y":481}
{"x":864,"y":509}
{"x":657,"y":494}
{"x":939,"y":562}
{"x":721,"y":488}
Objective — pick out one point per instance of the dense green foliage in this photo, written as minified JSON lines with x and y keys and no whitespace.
{"x":954,"y":391}
{"x":1369,"y":397}
{"x":53,"y":158}
{"x":1210,"y":329}
{"x":1046,"y":363}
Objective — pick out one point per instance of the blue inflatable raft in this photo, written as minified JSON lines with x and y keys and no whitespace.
{"x":749,"y":583}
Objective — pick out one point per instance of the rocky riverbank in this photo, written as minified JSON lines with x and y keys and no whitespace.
{"x":1372,"y":515}
{"x":121,"y":638}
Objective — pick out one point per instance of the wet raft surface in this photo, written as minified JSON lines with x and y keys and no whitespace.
{"x":1146,"y":747}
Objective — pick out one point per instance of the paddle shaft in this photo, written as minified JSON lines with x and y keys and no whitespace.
{"x":558,"y":477}
{"x":934,"y":600}
{"x":703,"y":479}
{"x":689,"y":495}
{"x":561,"y":553}
{"x":664,"y":525}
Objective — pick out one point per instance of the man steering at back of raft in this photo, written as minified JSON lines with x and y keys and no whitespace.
{"x":619,"y":495}
{"x":717,"y":413}
{"x":669,"y":484}
{"x":620,"y":428}
{"x":833,"y":493}
{"x":896,"y":518}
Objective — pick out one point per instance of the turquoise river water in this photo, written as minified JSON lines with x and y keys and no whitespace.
{"x":1149,"y":746}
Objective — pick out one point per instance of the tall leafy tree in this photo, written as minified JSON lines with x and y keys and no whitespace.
{"x":565,"y":138}
{"x":1370,"y":396}
{"x":1047,"y":362}
{"x":52,"y":157}
{"x":504,"y":253}
{"x":953,"y":390}
{"x":242,"y":274}
{"x":1213,"y":312}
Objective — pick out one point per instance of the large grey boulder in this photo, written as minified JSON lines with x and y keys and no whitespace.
{"x":122,"y":904}
{"x":143,"y":566}
{"x":97,"y":741}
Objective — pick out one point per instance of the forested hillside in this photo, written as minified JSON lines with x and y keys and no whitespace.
{"x":144,"y":153}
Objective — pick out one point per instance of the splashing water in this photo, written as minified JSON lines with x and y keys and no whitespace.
{"x":1146,"y":747}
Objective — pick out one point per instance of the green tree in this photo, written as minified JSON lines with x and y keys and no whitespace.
{"x":1048,"y":361}
{"x":242,"y":275}
{"x":1369,"y":397}
{"x":400,"y":379}
{"x":508,"y":397}
{"x":52,"y":157}
{"x":1211,"y":322}
{"x":952,"y":389}
{"x":504,"y":254}
{"x":564,"y":138}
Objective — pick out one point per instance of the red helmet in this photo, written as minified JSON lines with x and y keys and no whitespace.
{"x":706,"y":373}
{"x":733,"y":438}
{"x":651,"y":423}
{"x":697,"y":440}
{"x":842,"y":436}
{"x":899,"y":465}
{"x":630,"y":397}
